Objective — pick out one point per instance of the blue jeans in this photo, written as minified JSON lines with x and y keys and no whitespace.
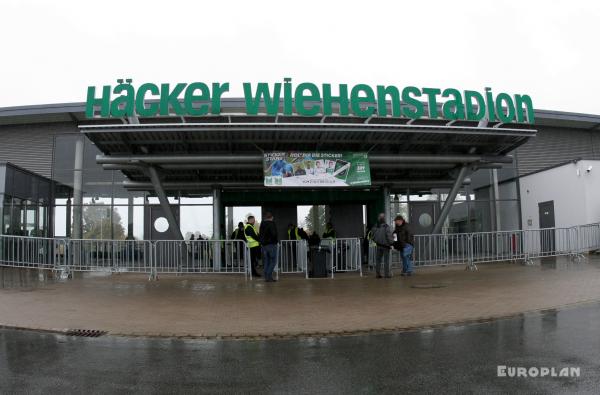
{"x":269,"y":260}
{"x":407,"y":265}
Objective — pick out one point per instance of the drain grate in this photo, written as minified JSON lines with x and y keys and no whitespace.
{"x":85,"y":332}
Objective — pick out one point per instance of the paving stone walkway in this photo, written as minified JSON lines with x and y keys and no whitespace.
{"x":226,"y":306}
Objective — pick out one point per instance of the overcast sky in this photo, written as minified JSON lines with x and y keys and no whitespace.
{"x":51,"y":51}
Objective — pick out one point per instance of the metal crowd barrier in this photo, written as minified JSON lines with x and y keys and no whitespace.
{"x":33,"y":252}
{"x":346,"y":256}
{"x":497,"y":246}
{"x":481,"y":247}
{"x":551,"y":242}
{"x":117,"y":256}
{"x":588,"y":237}
{"x":292,"y":257}
{"x":201,"y":256}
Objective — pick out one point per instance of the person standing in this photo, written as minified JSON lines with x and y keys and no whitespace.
{"x":253,"y":244}
{"x":383,"y":238}
{"x":269,"y":240}
{"x":238,"y":233}
{"x":329,"y":231}
{"x":404,"y":242}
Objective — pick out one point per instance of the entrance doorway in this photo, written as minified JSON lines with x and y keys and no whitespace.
{"x":237,"y":214}
{"x":546,"y":216}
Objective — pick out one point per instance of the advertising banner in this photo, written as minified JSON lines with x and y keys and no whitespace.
{"x":316,"y":169}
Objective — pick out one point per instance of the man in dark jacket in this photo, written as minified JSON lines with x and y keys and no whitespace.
{"x":404,"y":242}
{"x":382,"y":236}
{"x":268,"y":240}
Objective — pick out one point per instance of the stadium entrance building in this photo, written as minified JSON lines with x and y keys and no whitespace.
{"x":169,"y":165}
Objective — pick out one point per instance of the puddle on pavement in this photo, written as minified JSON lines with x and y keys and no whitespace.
{"x":26,"y":279}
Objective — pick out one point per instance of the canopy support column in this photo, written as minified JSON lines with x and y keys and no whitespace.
{"x":77,"y":189}
{"x":386,"y":205}
{"x":462,"y":174}
{"x":216,"y":228}
{"x":164,"y":201}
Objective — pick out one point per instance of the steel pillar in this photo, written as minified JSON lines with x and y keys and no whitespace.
{"x":77,"y":189}
{"x":164,"y":201}
{"x":496,"y":197}
{"x":386,"y":205}
{"x":450,"y":199}
{"x":216,"y":228}
{"x":231,"y":226}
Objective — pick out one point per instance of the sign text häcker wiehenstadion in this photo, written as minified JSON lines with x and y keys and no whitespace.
{"x":306,"y":98}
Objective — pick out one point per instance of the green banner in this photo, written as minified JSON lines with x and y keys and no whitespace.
{"x":316,"y":169}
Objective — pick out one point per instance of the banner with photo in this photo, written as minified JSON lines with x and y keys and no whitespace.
{"x":316,"y":169}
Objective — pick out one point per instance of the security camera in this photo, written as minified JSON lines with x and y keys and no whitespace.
{"x":589,"y":169}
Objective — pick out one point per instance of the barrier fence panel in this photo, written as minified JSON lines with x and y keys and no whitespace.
{"x":540,"y":243}
{"x":347,"y":255}
{"x":588,"y":237}
{"x":123,"y":256}
{"x":201,"y":256}
{"x":497,"y":246}
{"x":441,"y":249}
{"x":292,"y":257}
{"x":32,"y":252}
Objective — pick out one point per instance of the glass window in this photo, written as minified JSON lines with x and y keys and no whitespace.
{"x":138,"y":222}
{"x":96,"y":222}
{"x":64,"y":151}
{"x":60,"y":221}
{"x":196,"y":220}
{"x":119,"y":222}
{"x":197,"y":200}
{"x":423,"y":197}
{"x":97,"y":183}
{"x":42,"y":224}
{"x":480,"y":216}
{"x":399,"y":208}
{"x":89,"y":155}
{"x":509,"y":214}
{"x":154,"y":200}
{"x":507,"y":190}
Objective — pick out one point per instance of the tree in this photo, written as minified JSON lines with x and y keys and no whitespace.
{"x":321,"y":220}
{"x":97,"y":223}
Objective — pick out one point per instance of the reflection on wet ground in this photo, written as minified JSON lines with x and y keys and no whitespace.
{"x":456,"y":359}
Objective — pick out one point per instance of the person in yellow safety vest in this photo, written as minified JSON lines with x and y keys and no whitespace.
{"x":253,"y":244}
{"x":329,"y":231}
{"x":370,"y":237}
{"x":293,"y":233}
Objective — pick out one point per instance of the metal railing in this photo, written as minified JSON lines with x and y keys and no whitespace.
{"x":116,"y":256}
{"x":347,"y":256}
{"x":201,"y":256}
{"x":343,"y":255}
{"x":292,"y":257}
{"x":480,"y":247}
{"x":33,"y":252}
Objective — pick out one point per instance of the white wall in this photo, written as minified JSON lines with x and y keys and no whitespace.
{"x":574,"y":190}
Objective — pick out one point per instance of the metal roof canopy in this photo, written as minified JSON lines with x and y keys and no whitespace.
{"x":227,"y":150}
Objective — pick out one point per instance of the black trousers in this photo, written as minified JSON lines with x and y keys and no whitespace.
{"x":254,"y":255}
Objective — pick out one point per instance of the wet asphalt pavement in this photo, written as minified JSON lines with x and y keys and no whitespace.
{"x":456,"y":359}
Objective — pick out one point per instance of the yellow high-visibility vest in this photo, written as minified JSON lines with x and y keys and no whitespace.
{"x":251,"y":242}
{"x":297,"y":234}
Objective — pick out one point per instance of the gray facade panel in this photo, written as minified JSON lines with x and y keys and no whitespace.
{"x":552,"y":146}
{"x":31,"y":146}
